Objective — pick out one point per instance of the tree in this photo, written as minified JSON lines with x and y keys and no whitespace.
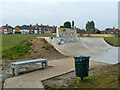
{"x":107,"y":28}
{"x":90,"y":27}
{"x":87,"y":26}
{"x":67,"y":25}
{"x":61,"y":26}
{"x":72,"y":24}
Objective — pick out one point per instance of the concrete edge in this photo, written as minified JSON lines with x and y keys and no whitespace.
{"x":58,"y":75}
{"x":54,"y":77}
{"x":4,"y":84}
{"x":42,"y":85}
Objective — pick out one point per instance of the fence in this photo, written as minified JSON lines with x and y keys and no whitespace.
{"x":97,"y":35}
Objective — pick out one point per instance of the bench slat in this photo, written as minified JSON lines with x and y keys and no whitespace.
{"x":30,"y":61}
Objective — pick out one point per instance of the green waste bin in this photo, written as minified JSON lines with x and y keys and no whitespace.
{"x":81,"y":66}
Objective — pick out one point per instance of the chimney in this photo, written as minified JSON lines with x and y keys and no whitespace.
{"x":6,"y":24}
{"x":30,"y":25}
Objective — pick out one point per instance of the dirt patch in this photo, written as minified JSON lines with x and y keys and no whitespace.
{"x":42,"y":49}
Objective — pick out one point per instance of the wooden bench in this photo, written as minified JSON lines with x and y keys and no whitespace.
{"x":15,"y":65}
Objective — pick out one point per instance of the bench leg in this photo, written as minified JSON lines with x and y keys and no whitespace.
{"x":16,"y":71}
{"x":42,"y":64}
{"x":12,"y":71}
{"x":46,"y":64}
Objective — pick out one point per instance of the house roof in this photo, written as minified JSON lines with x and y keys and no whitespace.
{"x":34,"y":26}
{"x":7,"y":27}
{"x":111,"y":30}
{"x":26,"y":27}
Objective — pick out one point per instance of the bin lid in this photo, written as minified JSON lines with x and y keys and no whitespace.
{"x":80,"y":56}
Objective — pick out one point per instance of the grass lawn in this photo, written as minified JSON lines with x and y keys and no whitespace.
{"x":9,"y":41}
{"x":13,"y":48}
{"x":104,"y":80}
{"x":115,"y":41}
{"x":99,"y":77}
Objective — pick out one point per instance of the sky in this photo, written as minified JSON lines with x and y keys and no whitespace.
{"x":104,"y":14}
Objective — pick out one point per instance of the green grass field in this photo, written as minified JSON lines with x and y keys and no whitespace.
{"x":115,"y":41}
{"x":9,"y":41}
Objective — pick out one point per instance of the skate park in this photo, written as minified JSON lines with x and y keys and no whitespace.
{"x":68,"y":44}
{"x":96,"y":47}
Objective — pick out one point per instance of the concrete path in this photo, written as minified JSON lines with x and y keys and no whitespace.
{"x":32,"y":80}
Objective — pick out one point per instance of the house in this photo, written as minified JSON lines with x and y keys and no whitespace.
{"x":6,"y":29}
{"x":38,"y":28}
{"x":18,"y":29}
{"x":49,"y":30}
{"x":79,"y":31}
{"x":45,"y":29}
{"x":26,"y":29}
{"x":33,"y":30}
{"x":111,"y":31}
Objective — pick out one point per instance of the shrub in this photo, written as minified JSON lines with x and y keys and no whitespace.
{"x":47,"y":47}
{"x":35,"y":51}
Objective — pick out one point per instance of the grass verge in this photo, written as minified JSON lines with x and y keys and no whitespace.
{"x":13,"y":47}
{"x":114,"y":41}
{"x":104,"y":80}
{"x":100,"y":80}
{"x":17,"y":51}
{"x":9,"y":41}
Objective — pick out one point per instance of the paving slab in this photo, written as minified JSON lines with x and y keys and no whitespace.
{"x":33,"y":79}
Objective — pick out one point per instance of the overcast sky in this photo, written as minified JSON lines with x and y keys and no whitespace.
{"x":104,"y":14}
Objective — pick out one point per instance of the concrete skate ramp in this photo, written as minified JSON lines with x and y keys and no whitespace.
{"x":95,"y":47}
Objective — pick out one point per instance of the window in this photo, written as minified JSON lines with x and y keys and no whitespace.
{"x":5,"y":29}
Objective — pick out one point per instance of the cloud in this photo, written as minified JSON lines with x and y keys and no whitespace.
{"x":104,"y":14}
